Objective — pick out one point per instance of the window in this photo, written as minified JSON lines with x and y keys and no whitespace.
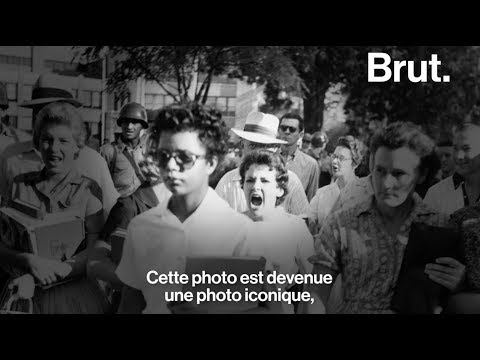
{"x":211,"y":101}
{"x":12,"y":91}
{"x":96,"y":99}
{"x":232,"y":104}
{"x":154,"y":101}
{"x":222,"y":104}
{"x":87,"y":98}
{"x":27,"y":92}
{"x":169,"y":100}
{"x":15,"y":60}
{"x":59,"y":66}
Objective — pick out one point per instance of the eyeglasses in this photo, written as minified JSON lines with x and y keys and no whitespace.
{"x":291,"y":129}
{"x":184,"y":159}
{"x":341,"y":158}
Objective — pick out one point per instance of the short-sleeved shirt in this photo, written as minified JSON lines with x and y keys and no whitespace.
{"x":22,"y":157}
{"x":229,"y":188}
{"x":307,"y":170}
{"x":75,"y":193}
{"x":354,"y":243}
{"x":448,"y":195}
{"x":157,"y":240}
{"x":125,"y":172}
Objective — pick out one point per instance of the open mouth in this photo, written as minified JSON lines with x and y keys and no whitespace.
{"x":256,"y":200}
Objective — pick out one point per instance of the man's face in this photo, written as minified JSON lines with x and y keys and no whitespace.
{"x":467,"y":150}
{"x":191,"y":172}
{"x":395,"y":175}
{"x":249,"y":146}
{"x":289,"y":131}
{"x":445,"y":154}
{"x":131,"y":129}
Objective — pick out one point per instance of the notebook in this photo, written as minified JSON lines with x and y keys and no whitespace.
{"x":415,"y":293}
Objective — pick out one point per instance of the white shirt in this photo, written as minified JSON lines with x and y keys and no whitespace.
{"x":157,"y":240}
{"x":322,"y":203}
{"x":285,"y":242}
{"x":447,"y":195}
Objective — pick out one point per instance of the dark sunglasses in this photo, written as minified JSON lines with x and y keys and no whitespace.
{"x":284,"y":128}
{"x":184,"y":159}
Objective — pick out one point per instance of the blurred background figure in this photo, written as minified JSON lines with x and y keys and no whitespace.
{"x":445,"y":153}
{"x":319,"y":141}
{"x":306,"y":143}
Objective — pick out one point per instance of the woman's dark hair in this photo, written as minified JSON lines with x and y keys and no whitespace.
{"x":274,"y":162}
{"x":405,"y":134}
{"x":208,"y":123}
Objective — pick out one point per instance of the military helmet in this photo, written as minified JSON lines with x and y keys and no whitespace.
{"x":133,"y":111}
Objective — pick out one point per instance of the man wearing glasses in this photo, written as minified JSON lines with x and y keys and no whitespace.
{"x":306,"y":167}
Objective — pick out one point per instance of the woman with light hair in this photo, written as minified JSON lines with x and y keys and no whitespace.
{"x":56,"y":286}
{"x":347,"y":156}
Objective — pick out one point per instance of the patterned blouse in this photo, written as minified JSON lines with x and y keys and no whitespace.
{"x":354,"y":242}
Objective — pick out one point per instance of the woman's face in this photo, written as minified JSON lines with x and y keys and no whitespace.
{"x":58,"y":148}
{"x":191,"y":172}
{"x":342,"y":163}
{"x":261,"y":190}
{"x":395,"y":175}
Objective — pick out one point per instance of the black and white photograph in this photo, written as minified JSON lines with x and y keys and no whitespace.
{"x":288,"y":180}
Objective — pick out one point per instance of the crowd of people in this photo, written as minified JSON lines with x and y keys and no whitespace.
{"x":163,"y":192}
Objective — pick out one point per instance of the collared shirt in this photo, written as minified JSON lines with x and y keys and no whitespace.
{"x":354,"y":243}
{"x":448,"y":195}
{"x":229,"y":188}
{"x":157,"y":240}
{"x":75,"y":193}
{"x":22,"y":157}
{"x":324,"y":201}
{"x":307,"y":170}
{"x":125,"y":173}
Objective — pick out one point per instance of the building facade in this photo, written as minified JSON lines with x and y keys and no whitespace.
{"x":20,"y":67}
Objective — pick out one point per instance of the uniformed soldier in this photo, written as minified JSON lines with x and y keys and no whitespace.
{"x":124,"y":155}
